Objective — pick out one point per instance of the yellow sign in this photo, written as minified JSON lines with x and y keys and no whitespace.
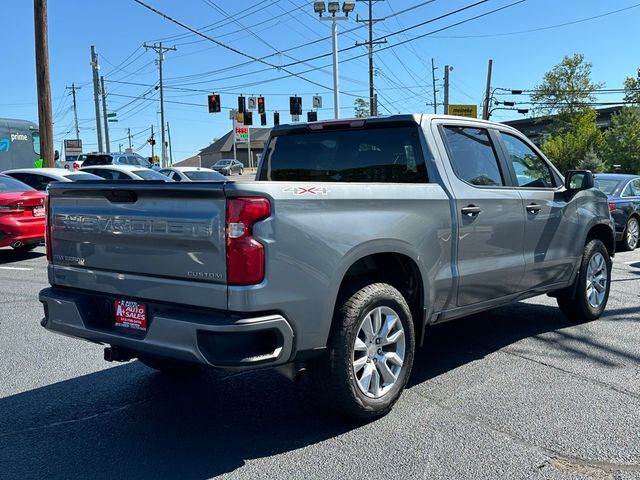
{"x":464,"y":110}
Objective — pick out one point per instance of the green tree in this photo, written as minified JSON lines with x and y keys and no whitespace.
{"x":570,"y":145}
{"x":622,"y":140}
{"x":632,"y":89}
{"x":592,"y":162}
{"x":361,"y":107}
{"x":567,"y":90}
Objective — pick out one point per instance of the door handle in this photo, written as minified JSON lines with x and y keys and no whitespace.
{"x":470,"y":210}
{"x":533,"y":208}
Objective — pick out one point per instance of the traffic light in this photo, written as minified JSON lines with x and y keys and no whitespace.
{"x":241,"y":105}
{"x":261,"y":105}
{"x":214,"y":103}
{"x":263,"y":119}
{"x":248,"y":117}
{"x":312,"y":116}
{"x":276,"y":118}
{"x":295,"y":105}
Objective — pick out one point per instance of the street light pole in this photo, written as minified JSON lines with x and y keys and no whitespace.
{"x":336,"y":87}
{"x":334,"y":7}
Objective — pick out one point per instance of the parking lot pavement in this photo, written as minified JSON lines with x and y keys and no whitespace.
{"x":513,"y":393}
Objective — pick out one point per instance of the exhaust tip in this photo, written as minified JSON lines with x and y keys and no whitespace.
{"x":17,"y":244}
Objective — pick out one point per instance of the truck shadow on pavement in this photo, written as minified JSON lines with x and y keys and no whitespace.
{"x":9,"y":255}
{"x":128,"y":422}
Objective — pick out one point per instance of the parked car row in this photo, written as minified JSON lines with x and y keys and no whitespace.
{"x":624,"y":204}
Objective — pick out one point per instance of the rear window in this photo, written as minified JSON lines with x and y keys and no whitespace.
{"x":606,"y":186}
{"x":9,"y":185}
{"x":74,"y":177}
{"x":151,"y":175}
{"x":389,"y":154}
{"x":97,"y":160}
{"x":204,"y":176}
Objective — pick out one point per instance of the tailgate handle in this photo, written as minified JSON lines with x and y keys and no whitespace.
{"x":120,"y":196}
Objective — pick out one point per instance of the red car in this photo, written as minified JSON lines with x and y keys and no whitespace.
{"x":22,"y":215}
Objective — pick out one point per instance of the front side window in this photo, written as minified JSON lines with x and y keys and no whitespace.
{"x":531,"y":170}
{"x":473,"y":157}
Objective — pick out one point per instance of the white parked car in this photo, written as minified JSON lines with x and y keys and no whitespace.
{"x":192,"y":174}
{"x":125,"y":172}
{"x":39,"y":178}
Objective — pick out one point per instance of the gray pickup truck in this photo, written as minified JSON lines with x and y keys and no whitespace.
{"x":355,"y":237}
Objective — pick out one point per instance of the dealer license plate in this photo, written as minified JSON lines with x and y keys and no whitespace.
{"x":130,"y":315}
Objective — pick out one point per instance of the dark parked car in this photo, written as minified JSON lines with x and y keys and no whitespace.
{"x":228,"y":167}
{"x":93,"y":159}
{"x":624,"y":204}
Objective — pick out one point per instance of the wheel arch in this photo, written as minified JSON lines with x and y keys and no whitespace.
{"x":605,"y":234}
{"x":395,"y":266}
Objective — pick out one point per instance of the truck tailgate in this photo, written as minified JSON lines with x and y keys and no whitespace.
{"x":164,"y":242}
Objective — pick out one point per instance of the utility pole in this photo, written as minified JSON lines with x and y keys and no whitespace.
{"x":170,"y":146}
{"x":487,"y":93}
{"x":106,"y":118}
{"x":160,"y":50}
{"x":42,"y":78}
{"x":370,"y":44}
{"x":433,"y":76}
{"x":96,"y":94}
{"x":73,"y":89}
{"x":129,"y":135}
{"x":446,"y":89}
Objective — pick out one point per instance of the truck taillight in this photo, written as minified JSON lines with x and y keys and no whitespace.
{"x":245,"y":255}
{"x":612,"y":206}
{"x":48,"y":229}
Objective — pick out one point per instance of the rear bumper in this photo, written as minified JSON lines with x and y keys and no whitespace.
{"x":207,"y":338}
{"x":12,"y":231}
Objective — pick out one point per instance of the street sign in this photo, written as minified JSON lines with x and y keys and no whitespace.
{"x":112,"y":114}
{"x":464,"y":110}
{"x":72,"y":148}
{"x":112,"y":119}
{"x":232,"y":114}
{"x":317,"y":102}
{"x":242,"y":133}
{"x":252,"y":103}
{"x":295,"y":118}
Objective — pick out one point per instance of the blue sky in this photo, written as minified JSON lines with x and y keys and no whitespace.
{"x":522,"y":40}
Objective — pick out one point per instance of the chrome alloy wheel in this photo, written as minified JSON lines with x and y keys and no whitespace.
{"x":633,"y":232}
{"x":597,"y":277}
{"x":378,"y":352}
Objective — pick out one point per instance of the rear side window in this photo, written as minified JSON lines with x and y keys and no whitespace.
{"x":9,"y":185}
{"x":391,"y":154}
{"x":473,"y":156}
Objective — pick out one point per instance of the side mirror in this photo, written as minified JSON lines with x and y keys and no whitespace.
{"x":56,"y":155}
{"x":576,"y":180}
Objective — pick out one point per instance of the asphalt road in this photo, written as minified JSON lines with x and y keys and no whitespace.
{"x":510,"y":394}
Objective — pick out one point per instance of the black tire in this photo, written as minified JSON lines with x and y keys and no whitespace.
{"x":25,"y":248}
{"x":169,"y":367}
{"x":333,"y":375}
{"x":241,"y":171}
{"x":576,"y":307}
{"x":629,"y":241}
